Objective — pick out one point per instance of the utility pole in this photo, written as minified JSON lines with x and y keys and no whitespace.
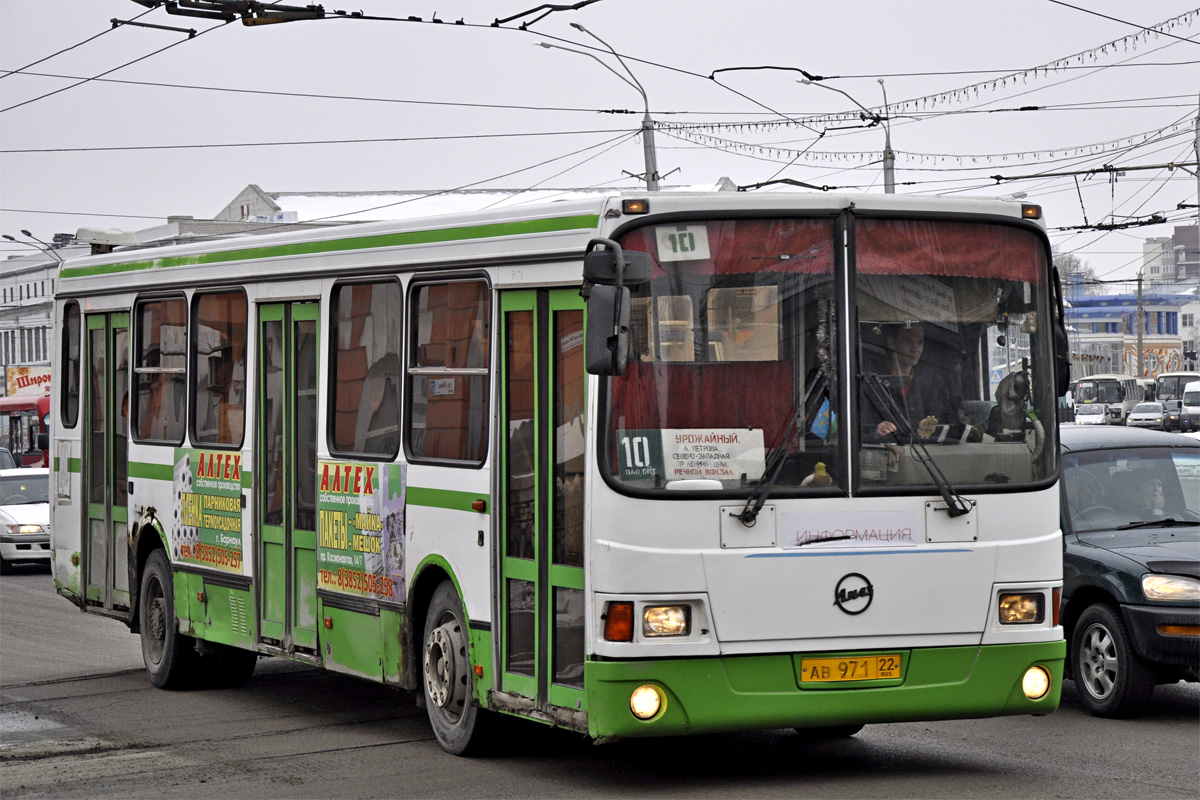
{"x":889,"y":156}
{"x":1141,"y":327}
{"x":649,"y":154}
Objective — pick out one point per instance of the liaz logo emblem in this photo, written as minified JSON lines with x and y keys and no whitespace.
{"x":853,"y":593}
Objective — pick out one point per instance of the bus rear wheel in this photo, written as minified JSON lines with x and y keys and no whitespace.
{"x":170,"y":657}
{"x":228,"y":667}
{"x":457,"y":722}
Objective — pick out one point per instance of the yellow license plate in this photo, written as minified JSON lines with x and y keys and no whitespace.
{"x":867,"y":668}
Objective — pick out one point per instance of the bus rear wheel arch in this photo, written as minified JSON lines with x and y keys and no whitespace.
{"x":176,"y":661}
{"x":170,"y":657}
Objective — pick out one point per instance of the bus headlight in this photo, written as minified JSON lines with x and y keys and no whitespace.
{"x":645,"y":702}
{"x":1170,"y":587}
{"x":665,"y":620}
{"x":1021,"y":609}
{"x":1036,"y":683}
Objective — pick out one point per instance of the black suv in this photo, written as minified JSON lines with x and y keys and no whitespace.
{"x":1131,"y":563}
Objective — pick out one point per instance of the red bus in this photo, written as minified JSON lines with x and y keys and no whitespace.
{"x":22,"y":418}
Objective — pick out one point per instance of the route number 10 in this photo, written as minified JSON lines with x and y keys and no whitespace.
{"x":684,"y":242}
{"x":637,"y":450}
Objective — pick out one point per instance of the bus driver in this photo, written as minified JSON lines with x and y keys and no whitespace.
{"x":909,"y":388}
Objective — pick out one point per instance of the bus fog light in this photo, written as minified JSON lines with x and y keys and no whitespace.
{"x":1036,"y":683}
{"x":665,"y":620}
{"x":1021,"y":609}
{"x":645,"y":701}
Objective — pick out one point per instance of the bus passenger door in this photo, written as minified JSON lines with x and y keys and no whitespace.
{"x":542,"y":596}
{"x":105,"y":461}
{"x":285,"y":476}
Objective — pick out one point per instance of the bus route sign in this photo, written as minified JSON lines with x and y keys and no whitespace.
{"x":691,"y":453}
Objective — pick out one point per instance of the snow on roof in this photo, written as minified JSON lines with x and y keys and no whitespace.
{"x":387,"y":205}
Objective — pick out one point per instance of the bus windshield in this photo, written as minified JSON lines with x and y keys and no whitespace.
{"x":1099,"y":391}
{"x":734,"y":377}
{"x":1171,"y":386}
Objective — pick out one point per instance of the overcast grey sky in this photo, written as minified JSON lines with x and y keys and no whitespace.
{"x":182,"y":130}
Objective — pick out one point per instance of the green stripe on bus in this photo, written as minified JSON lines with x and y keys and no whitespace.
{"x":153,"y":472}
{"x":418,"y":496}
{"x":442,"y":498}
{"x":407,"y":238}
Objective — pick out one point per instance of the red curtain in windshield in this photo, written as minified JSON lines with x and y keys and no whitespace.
{"x":757,"y":394}
{"x":750,"y":245}
{"x":952,"y":249}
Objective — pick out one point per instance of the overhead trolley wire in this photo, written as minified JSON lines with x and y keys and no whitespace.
{"x":389,"y":139}
{"x":104,"y":32}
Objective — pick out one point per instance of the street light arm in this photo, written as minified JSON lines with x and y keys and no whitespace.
{"x":636,"y":83}
{"x":649,"y":153}
{"x":595,"y":58}
{"x":870,"y":114}
{"x":45,"y":248}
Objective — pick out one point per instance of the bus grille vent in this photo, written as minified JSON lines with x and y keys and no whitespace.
{"x":237,"y":614}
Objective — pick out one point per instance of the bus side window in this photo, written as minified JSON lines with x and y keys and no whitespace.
{"x":160,"y":370}
{"x":219,"y":361}
{"x":448,"y":371}
{"x":365,"y":395}
{"x":70,"y":365}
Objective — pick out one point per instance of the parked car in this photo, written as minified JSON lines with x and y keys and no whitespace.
{"x":1147,"y":415}
{"x":1131,"y":563}
{"x":1091,"y":414}
{"x":24,"y":516}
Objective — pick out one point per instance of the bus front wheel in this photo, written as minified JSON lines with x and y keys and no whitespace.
{"x":170,"y":657}
{"x":446,"y":666}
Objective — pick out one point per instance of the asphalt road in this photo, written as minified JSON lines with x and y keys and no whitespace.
{"x":78,"y":718}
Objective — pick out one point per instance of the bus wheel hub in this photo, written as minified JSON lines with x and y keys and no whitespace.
{"x":445,"y":682}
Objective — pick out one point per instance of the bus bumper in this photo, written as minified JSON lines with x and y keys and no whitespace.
{"x":706,"y":695}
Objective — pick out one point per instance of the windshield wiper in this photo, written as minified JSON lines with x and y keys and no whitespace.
{"x":1169,"y":522}
{"x":758,"y":495}
{"x":823,"y":541}
{"x":880,"y":395}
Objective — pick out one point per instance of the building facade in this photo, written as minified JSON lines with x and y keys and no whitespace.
{"x":1104,"y":332}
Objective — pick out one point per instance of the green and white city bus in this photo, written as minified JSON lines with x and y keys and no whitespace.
{"x":638,"y":466}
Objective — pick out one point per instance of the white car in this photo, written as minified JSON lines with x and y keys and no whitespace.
{"x":1147,"y":415}
{"x":1091,"y":414}
{"x":24,"y":516}
{"x":1191,"y":407}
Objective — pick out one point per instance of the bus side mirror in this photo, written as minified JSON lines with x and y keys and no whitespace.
{"x":1062,"y":359}
{"x":615,"y":267}
{"x":43,"y":442}
{"x":607,"y":346}
{"x":607,"y":274}
{"x":1062,"y":345}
